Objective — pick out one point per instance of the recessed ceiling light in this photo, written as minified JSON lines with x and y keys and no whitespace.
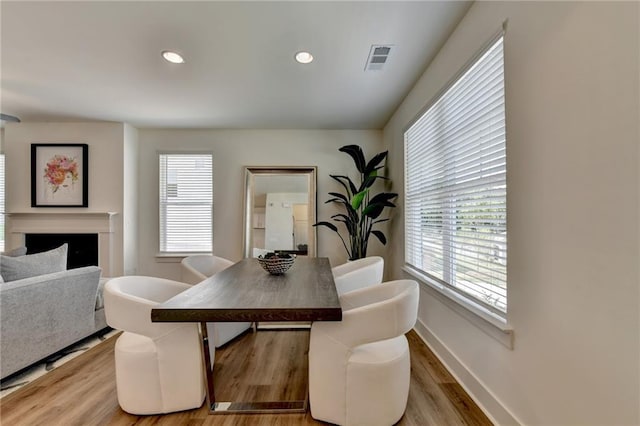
{"x":304,"y":57}
{"x":172,"y":57}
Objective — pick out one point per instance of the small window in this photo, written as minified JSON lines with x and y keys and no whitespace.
{"x":455,"y":186}
{"x":186,"y":203}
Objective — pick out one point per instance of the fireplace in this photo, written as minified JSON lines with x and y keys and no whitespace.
{"x":82,"y":251}
{"x":97,"y":227}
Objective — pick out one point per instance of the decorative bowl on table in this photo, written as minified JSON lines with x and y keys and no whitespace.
{"x":276,"y":263}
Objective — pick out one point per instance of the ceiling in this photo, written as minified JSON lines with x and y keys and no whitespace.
{"x":87,"y":61}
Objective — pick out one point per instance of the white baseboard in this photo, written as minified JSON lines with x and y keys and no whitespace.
{"x":482,"y":396}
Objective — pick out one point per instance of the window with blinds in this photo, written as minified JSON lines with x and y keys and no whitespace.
{"x":186,"y":203}
{"x":455,"y":186}
{"x":2,"y":211}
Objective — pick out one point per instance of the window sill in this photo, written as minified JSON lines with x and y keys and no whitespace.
{"x":490,"y":323}
{"x":174,"y":257}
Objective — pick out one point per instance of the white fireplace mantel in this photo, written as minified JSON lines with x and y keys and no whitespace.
{"x":101,"y":223}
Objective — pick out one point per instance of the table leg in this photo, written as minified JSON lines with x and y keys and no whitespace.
{"x":295,"y":406}
{"x":208,"y":370}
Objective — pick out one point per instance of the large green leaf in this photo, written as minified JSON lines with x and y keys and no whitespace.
{"x":356,"y":201}
{"x":340,"y":196}
{"x":370,"y":180}
{"x":344,"y":180}
{"x":380,"y":236}
{"x":378,"y":203}
{"x":383,"y":196}
{"x":328,"y":225}
{"x":375,"y":161}
{"x":381,"y":220}
{"x":358,"y":156}
{"x":341,"y":215}
{"x":376,"y":209}
{"x":336,"y":200}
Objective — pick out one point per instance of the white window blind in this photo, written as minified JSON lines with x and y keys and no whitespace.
{"x":186,"y":203}
{"x":2,"y":211}
{"x":455,"y":186}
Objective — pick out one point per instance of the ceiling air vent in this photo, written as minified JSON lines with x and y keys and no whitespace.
{"x":378,"y":56}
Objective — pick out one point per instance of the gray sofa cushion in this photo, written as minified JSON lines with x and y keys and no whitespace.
{"x":31,"y":265}
{"x":19,"y":251}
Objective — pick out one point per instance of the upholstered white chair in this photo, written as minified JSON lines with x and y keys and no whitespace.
{"x":358,"y":274}
{"x":197,"y":268}
{"x":158,"y":365}
{"x":359,"y":367}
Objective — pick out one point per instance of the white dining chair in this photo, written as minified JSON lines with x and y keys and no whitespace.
{"x":359,"y":368}
{"x":197,"y":268}
{"x":158,"y":365}
{"x":358,"y":273}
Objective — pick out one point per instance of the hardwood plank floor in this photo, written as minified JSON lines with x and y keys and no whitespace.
{"x":262,"y":366}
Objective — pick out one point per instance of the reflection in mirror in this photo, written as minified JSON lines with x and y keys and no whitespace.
{"x":280,"y":210}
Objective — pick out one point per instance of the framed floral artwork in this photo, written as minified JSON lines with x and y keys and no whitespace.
{"x":59,"y":175}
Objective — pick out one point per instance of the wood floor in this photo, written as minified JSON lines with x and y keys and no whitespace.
{"x":262,"y":366}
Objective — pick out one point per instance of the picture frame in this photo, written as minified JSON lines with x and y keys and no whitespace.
{"x":59,"y":175}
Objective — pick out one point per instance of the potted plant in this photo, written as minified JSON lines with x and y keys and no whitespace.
{"x":362,"y":207}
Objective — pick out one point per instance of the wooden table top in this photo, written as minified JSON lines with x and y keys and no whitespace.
{"x":246,"y":292}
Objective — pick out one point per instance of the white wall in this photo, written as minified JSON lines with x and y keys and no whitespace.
{"x":130,"y":200}
{"x":232,"y":150}
{"x":106,"y":177}
{"x":572,"y":150}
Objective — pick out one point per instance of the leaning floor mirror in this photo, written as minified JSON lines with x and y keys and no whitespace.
{"x":280,"y":210}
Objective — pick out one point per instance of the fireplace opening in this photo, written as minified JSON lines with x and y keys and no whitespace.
{"x":82,"y":251}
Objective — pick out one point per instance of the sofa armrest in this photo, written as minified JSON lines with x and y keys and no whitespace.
{"x":43,"y":314}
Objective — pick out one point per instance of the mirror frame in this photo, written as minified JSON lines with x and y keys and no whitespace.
{"x":250,"y":172}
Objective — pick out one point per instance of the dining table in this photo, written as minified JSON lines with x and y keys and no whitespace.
{"x":245,"y":292}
